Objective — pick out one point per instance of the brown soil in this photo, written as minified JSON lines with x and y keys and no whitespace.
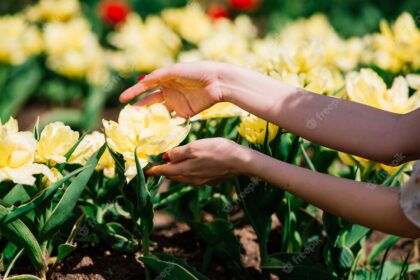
{"x":168,"y":237}
{"x":178,"y":239}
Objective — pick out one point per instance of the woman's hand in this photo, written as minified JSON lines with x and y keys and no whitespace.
{"x":205,"y":161}
{"x":186,"y":88}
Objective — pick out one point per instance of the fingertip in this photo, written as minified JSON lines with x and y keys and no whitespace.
{"x":151,"y":171}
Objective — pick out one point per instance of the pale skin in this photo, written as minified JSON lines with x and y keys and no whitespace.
{"x":353,"y":128}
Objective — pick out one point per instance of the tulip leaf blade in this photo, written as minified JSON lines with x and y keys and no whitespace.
{"x":46,"y":193}
{"x":172,"y":268}
{"x":68,"y":201}
{"x":19,"y":234}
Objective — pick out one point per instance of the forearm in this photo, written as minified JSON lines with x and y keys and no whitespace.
{"x":339,"y":124}
{"x":373,"y":206}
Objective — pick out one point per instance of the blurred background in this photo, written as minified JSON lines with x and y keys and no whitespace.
{"x":68,"y":60}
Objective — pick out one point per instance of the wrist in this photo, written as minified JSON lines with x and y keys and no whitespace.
{"x":242,"y":160}
{"x":231,"y":82}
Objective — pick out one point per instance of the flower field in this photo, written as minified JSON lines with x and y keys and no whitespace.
{"x":74,"y":178}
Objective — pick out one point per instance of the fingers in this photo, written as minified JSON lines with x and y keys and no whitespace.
{"x":180,"y":153}
{"x":150,"y":82}
{"x":154,"y":97}
{"x":195,"y":181}
{"x":168,"y":169}
{"x":199,"y":181}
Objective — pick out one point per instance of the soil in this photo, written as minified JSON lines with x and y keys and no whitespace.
{"x":178,"y":239}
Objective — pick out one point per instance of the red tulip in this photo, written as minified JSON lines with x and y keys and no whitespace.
{"x":114,"y":11}
{"x":217,"y":11}
{"x":245,"y":5}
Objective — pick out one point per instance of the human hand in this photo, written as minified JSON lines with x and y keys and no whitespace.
{"x":186,"y":88}
{"x":205,"y":161}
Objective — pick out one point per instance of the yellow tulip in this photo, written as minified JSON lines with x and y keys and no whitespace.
{"x":398,"y":46}
{"x":55,"y":141}
{"x":17,"y":153}
{"x":219,"y":110}
{"x":143,"y":46}
{"x":351,"y":160}
{"x":149,"y":130}
{"x":19,"y":40}
{"x":191,"y":22}
{"x":90,"y":144}
{"x":368,"y":88}
{"x":73,"y":50}
{"x":106,"y":164}
{"x":230,"y":41}
{"x":253,"y":129}
{"x":53,"y":10}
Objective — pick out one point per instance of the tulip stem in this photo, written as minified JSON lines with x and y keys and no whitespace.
{"x":145,"y":246}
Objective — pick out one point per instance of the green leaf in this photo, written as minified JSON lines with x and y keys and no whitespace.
{"x":18,"y":233}
{"x":38,"y":199}
{"x":169,"y":267}
{"x":345,"y":257}
{"x":332,"y":226}
{"x":294,"y":149}
{"x":380,"y":247}
{"x":93,"y":106}
{"x":307,"y":159}
{"x":290,"y":268}
{"x":19,"y":89}
{"x":219,"y":237}
{"x":19,"y":194}
{"x":68,"y":201}
{"x":356,"y":233}
{"x":64,"y":250}
{"x":142,"y":192}
{"x":116,"y":236}
{"x":119,"y":162}
{"x":259,"y":201}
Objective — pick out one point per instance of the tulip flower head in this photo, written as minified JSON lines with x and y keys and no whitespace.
{"x":149,"y":131}
{"x":17,"y":154}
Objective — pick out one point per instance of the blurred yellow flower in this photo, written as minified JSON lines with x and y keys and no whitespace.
{"x":253,"y":129}
{"x":143,"y":46}
{"x":368,"y":88}
{"x":191,"y":22}
{"x":149,"y":130}
{"x":302,"y":58}
{"x":324,"y":80}
{"x":73,"y":50}
{"x":351,"y":160}
{"x":17,"y":153}
{"x":413,"y":81}
{"x":90,"y":144}
{"x":230,"y":41}
{"x":53,"y":10}
{"x":19,"y":40}
{"x":398,"y":46}
{"x":219,"y":110}
{"x":55,"y":141}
